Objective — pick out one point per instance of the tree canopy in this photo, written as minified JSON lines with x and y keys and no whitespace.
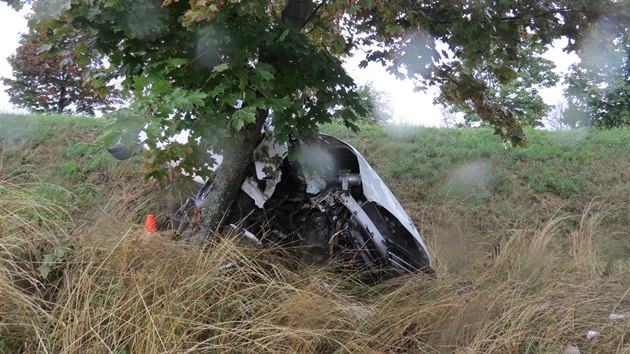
{"x":376,"y":103}
{"x":48,"y":81}
{"x":518,"y":91}
{"x":599,"y":86}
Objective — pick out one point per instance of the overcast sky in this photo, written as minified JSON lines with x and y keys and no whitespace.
{"x":13,"y":24}
{"x":409,"y":106}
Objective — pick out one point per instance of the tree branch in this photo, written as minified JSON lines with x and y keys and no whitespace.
{"x":296,"y":12}
{"x":312,"y":15}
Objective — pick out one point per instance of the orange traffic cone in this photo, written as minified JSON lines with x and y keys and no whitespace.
{"x":149,"y":225}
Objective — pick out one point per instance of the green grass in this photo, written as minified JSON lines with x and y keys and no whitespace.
{"x":530,"y":246}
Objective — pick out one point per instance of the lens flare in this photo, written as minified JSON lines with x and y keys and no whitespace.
{"x":211,"y":43}
{"x":145,"y":19}
{"x":469,"y":179}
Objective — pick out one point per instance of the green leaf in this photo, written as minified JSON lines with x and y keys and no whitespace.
{"x":237,"y":124}
{"x":243,"y":117}
{"x":157,"y":175}
{"x":59,"y":252}
{"x":161,"y":87}
{"x":221,"y":68}
{"x":217,"y":90}
{"x":197,"y":98}
{"x":353,"y":9}
{"x":176,"y":62}
{"x":506,"y":74}
{"x":394,"y":29}
{"x":283,"y":35}
{"x":49,"y":258}
{"x":180,"y":100}
{"x":265,"y":71}
{"x":140,"y":82}
{"x":44,"y":48}
{"x":44,"y":270}
{"x":65,"y":244}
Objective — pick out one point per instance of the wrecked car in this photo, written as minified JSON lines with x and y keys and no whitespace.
{"x":326,"y":201}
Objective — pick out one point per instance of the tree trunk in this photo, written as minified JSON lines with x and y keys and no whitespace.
{"x":230,"y":175}
{"x":61,"y":103}
{"x":297,"y":12}
{"x":228,"y":178}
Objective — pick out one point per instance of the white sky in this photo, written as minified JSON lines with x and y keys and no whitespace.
{"x":410,"y":107}
{"x":12,"y":24}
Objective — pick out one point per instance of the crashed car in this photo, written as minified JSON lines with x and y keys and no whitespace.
{"x":326,"y":200}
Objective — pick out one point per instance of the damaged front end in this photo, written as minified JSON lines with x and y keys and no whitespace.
{"x":331,"y":203}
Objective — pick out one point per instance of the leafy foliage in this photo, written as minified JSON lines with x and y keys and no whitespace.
{"x":557,"y":119}
{"x":187,"y":66}
{"x":484,"y":36}
{"x":56,"y":79}
{"x":517,"y":90}
{"x":377,"y":105}
{"x":599,"y":86}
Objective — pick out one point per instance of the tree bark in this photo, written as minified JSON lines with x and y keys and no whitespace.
{"x":297,"y":12}
{"x":228,"y":179}
{"x":230,"y":175}
{"x":61,"y":103}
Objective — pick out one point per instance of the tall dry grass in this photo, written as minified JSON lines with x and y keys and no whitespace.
{"x":532,"y":295}
{"x":157,"y":296}
{"x":31,"y":226}
{"x":584,"y":254}
{"x":115,"y":291}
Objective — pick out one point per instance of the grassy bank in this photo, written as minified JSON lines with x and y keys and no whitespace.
{"x":531,"y":248}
